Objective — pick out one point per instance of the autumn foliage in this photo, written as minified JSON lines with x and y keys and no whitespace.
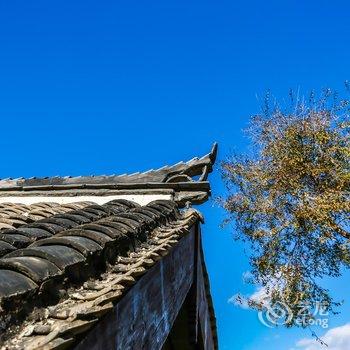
{"x":291,"y":199}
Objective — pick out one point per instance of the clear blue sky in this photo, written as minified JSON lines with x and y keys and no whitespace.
{"x":120,"y":86}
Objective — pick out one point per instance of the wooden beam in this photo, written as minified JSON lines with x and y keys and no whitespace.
{"x":205,"y":338}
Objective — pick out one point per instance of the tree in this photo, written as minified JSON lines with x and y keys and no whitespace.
{"x":291,"y":200}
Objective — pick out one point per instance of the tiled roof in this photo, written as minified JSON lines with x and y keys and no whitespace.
{"x":14,"y":214}
{"x":51,"y":219}
{"x":63,"y":265}
{"x":134,"y":237}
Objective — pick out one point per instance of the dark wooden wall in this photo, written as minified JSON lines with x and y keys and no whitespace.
{"x":145,"y":315}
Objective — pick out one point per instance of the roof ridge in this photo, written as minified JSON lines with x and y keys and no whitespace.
{"x":193,"y":166}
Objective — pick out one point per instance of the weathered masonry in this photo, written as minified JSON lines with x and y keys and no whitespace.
{"x":106,"y":262}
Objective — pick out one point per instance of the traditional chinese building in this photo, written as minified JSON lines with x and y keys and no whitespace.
{"x":106,"y":262}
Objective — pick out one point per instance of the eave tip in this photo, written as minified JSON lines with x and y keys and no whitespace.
{"x":213,"y":153}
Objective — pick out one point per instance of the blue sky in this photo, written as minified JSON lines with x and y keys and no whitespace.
{"x":119,"y":86}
